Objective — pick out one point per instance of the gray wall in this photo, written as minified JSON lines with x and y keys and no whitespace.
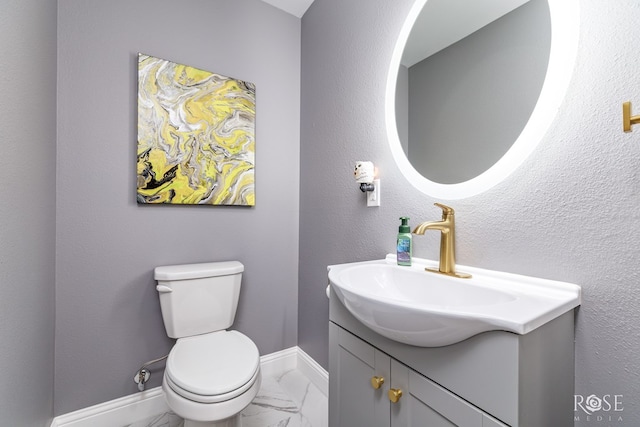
{"x":108,"y":316}
{"x":548,"y":219}
{"x":27,"y":224}
{"x":569,"y":213}
{"x":470,"y":101}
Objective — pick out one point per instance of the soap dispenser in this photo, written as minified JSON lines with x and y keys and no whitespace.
{"x":404,"y":244}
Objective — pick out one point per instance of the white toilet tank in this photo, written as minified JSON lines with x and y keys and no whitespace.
{"x":198,"y":298}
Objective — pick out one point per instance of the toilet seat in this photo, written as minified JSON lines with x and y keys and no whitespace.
{"x":212,"y":367}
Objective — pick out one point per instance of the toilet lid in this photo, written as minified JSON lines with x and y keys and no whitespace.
{"x":213,"y":364}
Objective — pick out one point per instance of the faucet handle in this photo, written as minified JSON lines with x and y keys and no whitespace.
{"x":446,"y":210}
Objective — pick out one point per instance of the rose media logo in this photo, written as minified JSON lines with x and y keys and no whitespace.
{"x":606,"y":408}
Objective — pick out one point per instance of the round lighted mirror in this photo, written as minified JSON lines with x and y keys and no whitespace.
{"x":450,"y":151}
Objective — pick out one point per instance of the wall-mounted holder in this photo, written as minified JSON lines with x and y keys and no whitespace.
{"x":364,"y":173}
{"x":627,"y":119}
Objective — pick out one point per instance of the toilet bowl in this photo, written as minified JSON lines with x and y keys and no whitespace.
{"x":210,"y":378}
{"x":211,"y":373}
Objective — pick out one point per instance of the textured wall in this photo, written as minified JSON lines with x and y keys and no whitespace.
{"x":27,"y":210}
{"x":569,"y":213}
{"x":108,"y":317}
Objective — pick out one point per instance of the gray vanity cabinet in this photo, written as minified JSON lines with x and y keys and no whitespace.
{"x":494,"y":379}
{"x":355,"y":402}
{"x":424,"y":403}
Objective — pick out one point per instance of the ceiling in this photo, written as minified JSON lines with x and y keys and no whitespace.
{"x":294,"y":7}
{"x":441,"y":23}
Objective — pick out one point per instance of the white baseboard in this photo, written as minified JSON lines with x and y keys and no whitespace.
{"x":135,"y":407}
{"x":118,"y":412}
{"x":281,"y":361}
{"x":312,"y":370}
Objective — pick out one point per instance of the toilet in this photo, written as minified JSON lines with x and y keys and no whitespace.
{"x":211,"y":373}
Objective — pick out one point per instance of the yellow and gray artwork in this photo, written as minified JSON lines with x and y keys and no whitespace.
{"x":196,"y":136}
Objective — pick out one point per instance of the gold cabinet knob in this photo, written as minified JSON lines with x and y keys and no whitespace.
{"x":376,"y":382}
{"x":394,"y":394}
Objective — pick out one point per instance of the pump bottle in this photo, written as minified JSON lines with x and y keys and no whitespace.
{"x":404,"y":243}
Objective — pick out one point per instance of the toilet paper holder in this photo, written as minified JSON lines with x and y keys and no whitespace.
{"x":627,"y":119}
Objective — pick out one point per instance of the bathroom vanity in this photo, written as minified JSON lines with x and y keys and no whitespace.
{"x":493,"y":378}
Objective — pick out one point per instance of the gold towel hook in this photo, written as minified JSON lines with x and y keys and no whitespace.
{"x":627,"y":119}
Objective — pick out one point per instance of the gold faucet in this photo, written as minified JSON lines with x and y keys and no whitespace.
{"x":447,"y":229}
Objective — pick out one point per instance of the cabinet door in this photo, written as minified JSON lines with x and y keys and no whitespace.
{"x":353,"y":401}
{"x":424,"y":403}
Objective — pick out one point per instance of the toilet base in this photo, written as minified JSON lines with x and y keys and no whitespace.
{"x":221,"y":414}
{"x":229,"y":422}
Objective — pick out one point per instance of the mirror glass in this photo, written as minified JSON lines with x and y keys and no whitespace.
{"x":466,"y":89}
{"x":470,"y":92}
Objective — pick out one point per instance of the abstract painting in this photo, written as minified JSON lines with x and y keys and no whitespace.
{"x":196,"y":136}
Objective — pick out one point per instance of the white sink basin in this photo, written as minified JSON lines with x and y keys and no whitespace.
{"x":412,"y":306}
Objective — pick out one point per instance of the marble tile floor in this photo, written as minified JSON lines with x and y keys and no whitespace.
{"x":289,"y":400}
